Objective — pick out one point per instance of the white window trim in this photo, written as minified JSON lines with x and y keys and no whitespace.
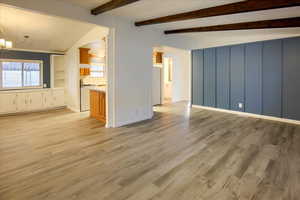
{"x":23,"y":87}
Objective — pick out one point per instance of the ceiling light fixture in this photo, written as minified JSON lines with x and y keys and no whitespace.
{"x":5,"y":44}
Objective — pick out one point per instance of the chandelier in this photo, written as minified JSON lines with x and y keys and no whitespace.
{"x":4,"y":44}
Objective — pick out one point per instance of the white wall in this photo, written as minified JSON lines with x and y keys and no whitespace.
{"x":223,"y":38}
{"x":181,"y":84}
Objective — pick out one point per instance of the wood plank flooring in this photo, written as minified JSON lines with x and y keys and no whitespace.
{"x":180,"y":154}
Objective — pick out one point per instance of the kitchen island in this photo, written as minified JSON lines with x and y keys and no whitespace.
{"x":98,"y":104}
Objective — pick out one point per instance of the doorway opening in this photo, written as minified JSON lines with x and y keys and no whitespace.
{"x":171,"y":77}
{"x":167,"y":80}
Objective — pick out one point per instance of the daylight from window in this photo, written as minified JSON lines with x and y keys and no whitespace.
{"x":20,"y":74}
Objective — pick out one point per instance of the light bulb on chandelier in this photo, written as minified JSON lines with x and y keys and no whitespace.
{"x":4,"y":44}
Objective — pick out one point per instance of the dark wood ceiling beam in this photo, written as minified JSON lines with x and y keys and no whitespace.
{"x":267,"y":24}
{"x":111,"y":5}
{"x":234,"y":8}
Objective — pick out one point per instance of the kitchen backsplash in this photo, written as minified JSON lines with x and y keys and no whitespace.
{"x":93,"y":81}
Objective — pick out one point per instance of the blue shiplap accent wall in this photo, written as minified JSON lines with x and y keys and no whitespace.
{"x":237,"y":80}
{"x":263,"y":76}
{"x":223,"y":77}
{"x":210,"y":77}
{"x":253,"y":78}
{"x":25,"y":55}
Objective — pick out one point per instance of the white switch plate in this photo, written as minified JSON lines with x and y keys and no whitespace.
{"x":240,"y":105}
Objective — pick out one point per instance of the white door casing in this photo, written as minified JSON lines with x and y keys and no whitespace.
{"x":156,"y":86}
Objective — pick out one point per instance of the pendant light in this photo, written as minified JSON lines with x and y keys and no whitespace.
{"x":5,"y":44}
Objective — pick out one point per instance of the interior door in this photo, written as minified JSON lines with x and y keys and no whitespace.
{"x":156,"y":86}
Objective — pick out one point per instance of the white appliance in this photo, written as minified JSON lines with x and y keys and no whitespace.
{"x":85,"y":98}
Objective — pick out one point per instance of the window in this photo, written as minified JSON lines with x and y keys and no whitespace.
{"x":20,"y":74}
{"x":97,"y":70}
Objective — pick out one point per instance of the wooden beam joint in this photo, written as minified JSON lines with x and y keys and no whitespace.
{"x":277,"y":23}
{"x":233,"y":8}
{"x":111,"y":5}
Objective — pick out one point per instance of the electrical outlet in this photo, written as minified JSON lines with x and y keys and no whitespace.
{"x":240,"y":105}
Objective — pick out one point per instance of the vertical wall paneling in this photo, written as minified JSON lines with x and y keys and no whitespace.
{"x":291,"y":78}
{"x":210,"y":77}
{"x":253,"y":78}
{"x":237,"y":82}
{"x":264,"y":77}
{"x":223,"y":77}
{"x":197,"y":77}
{"x":272,"y":78}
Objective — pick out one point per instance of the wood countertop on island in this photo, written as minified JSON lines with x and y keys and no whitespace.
{"x":98,"y":104}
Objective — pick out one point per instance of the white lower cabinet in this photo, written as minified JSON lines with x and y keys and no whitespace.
{"x":47,"y":99}
{"x":22,"y":102}
{"x":26,"y":101}
{"x":8,"y":103}
{"x":58,"y":98}
{"x":35,"y":101}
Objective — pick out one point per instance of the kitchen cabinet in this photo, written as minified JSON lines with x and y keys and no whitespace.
{"x":26,"y":101}
{"x":22,"y":102}
{"x":84,"y":56}
{"x":8,"y":103}
{"x":85,"y":60}
{"x":47,"y":99}
{"x":85,"y":71}
{"x":35,"y":101}
{"x":58,"y":98}
{"x":98,"y":105}
{"x":158,"y":57}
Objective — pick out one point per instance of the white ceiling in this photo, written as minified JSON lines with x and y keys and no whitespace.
{"x":88,"y":3}
{"x":146,"y":9}
{"x":47,"y":33}
{"x":58,"y":34}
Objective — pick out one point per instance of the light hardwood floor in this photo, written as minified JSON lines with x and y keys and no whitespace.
{"x":180,"y":154}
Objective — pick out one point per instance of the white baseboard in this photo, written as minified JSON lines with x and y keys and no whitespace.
{"x":290,"y":121}
{"x":128,"y":122}
{"x":73,"y":109}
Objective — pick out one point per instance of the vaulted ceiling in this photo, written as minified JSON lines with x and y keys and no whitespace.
{"x":46,"y":33}
{"x":51,"y":32}
{"x":147,"y":9}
